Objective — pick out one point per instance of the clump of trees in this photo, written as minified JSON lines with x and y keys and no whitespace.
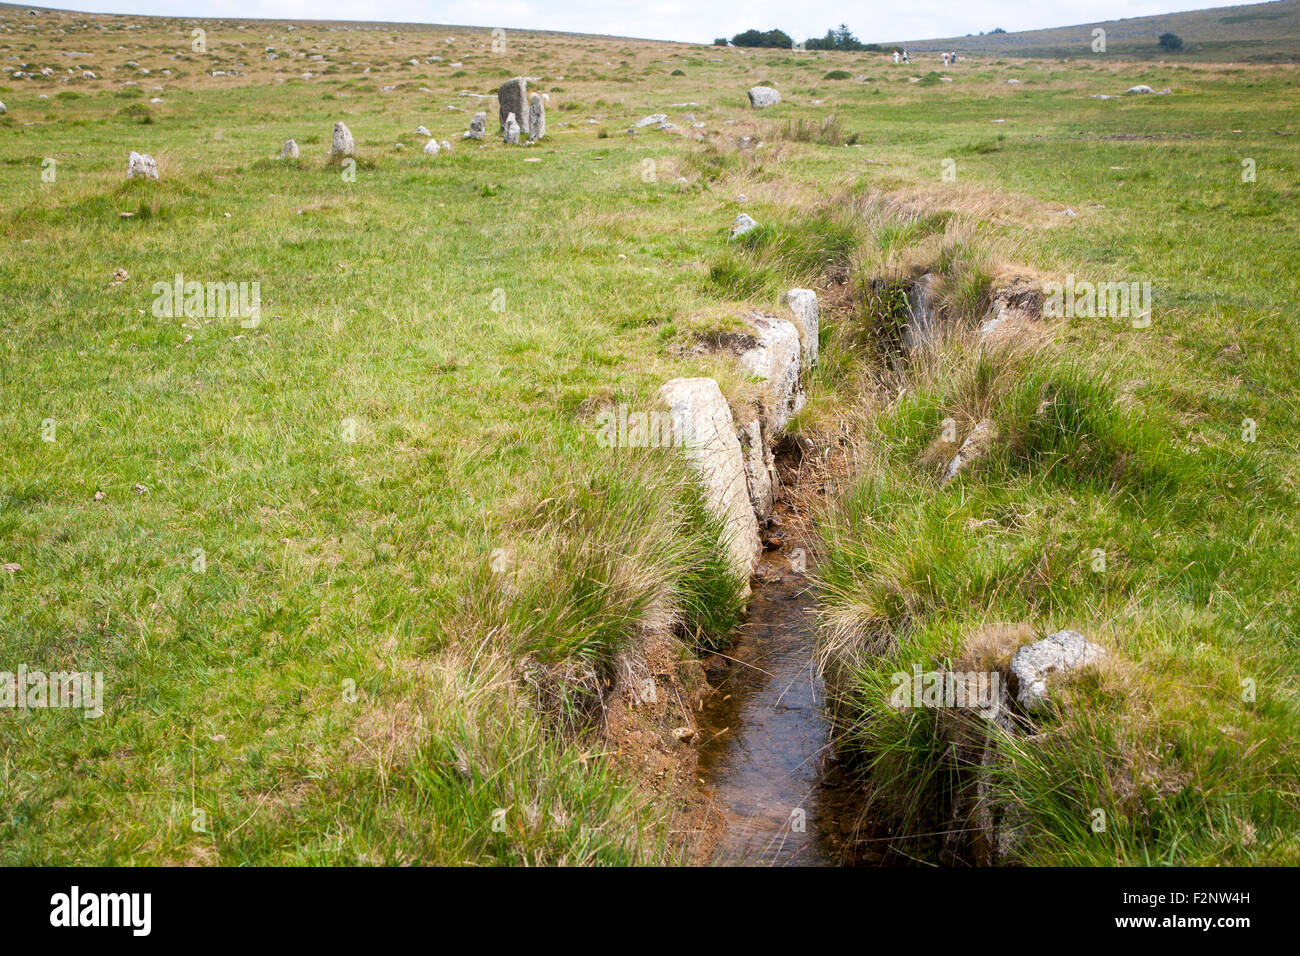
{"x":841,"y":38}
{"x":1171,"y":42}
{"x":759,"y":38}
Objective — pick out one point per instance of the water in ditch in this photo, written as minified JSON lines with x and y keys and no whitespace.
{"x":765,"y":753}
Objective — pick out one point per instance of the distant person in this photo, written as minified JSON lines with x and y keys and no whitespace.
{"x":895,"y":56}
{"x":945,"y":59}
{"x":954,"y":56}
{"x":905,"y":59}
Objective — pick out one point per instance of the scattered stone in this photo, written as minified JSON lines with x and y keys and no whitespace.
{"x":1140,"y":88}
{"x":341,"y":144}
{"x":477,"y":126}
{"x":3,"y":109}
{"x":803,"y":303}
{"x":511,"y":132}
{"x":513,"y":100}
{"x":421,"y":131}
{"x":142,"y":165}
{"x":1100,"y":96}
{"x":536,"y":117}
{"x":1013,"y":82}
{"x":431,"y":147}
{"x":290,"y":150}
{"x":446,"y":146}
{"x":1060,"y":653}
{"x":654,"y":119}
{"x":119,"y":276}
{"x":775,"y":358}
{"x":761,"y":96}
{"x":742,"y":224}
{"x":713,"y":451}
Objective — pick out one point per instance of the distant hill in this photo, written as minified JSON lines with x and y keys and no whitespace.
{"x":1254,"y":32}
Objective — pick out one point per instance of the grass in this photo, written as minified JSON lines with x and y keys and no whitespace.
{"x":422,"y":581}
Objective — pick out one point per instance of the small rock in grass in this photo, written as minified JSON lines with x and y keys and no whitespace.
{"x":742,"y":224}
{"x":141,"y":165}
{"x":1060,"y":653}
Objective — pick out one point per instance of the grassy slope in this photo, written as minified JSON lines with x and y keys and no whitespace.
{"x":1256,"y":32}
{"x":369,"y":560}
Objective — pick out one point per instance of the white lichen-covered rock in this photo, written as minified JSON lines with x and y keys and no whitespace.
{"x":1140,"y":88}
{"x":703,"y":419}
{"x":536,"y":117}
{"x":141,"y":166}
{"x":760,"y":469}
{"x":803,"y":303}
{"x":341,"y":143}
{"x":654,"y":119}
{"x":421,"y":131}
{"x":761,"y":96}
{"x":290,"y":150}
{"x":775,"y":359}
{"x":446,"y":146}
{"x":477,"y":126}
{"x":977,"y":445}
{"x":432,"y":147}
{"x":3,"y":109}
{"x":511,"y":132}
{"x":1061,"y":653}
{"x":742,"y":224}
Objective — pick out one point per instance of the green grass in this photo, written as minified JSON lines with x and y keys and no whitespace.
{"x":421,"y":576}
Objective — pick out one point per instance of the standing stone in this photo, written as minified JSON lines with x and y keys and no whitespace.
{"x":141,"y":165}
{"x":774,"y":358}
{"x":341,"y":144}
{"x":511,"y":131}
{"x":421,"y":131}
{"x":431,"y":147}
{"x":760,"y":469}
{"x":290,"y":150}
{"x":803,"y":303}
{"x":477,"y":126}
{"x":3,"y":108}
{"x":536,"y":117}
{"x":714,"y":454}
{"x":513,"y":98}
{"x":761,"y":96}
{"x":446,"y":146}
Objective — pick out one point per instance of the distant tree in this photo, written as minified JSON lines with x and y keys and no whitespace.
{"x":721,"y":41}
{"x":842,"y":38}
{"x":1171,"y":42}
{"x":996,"y":30}
{"x":757,"y":38}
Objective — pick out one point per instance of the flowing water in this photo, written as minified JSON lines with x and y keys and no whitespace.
{"x":765,"y":752}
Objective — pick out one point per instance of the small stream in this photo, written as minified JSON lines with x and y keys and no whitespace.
{"x":765,"y":752}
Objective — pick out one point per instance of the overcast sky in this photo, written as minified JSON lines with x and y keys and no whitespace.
{"x":692,"y":20}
